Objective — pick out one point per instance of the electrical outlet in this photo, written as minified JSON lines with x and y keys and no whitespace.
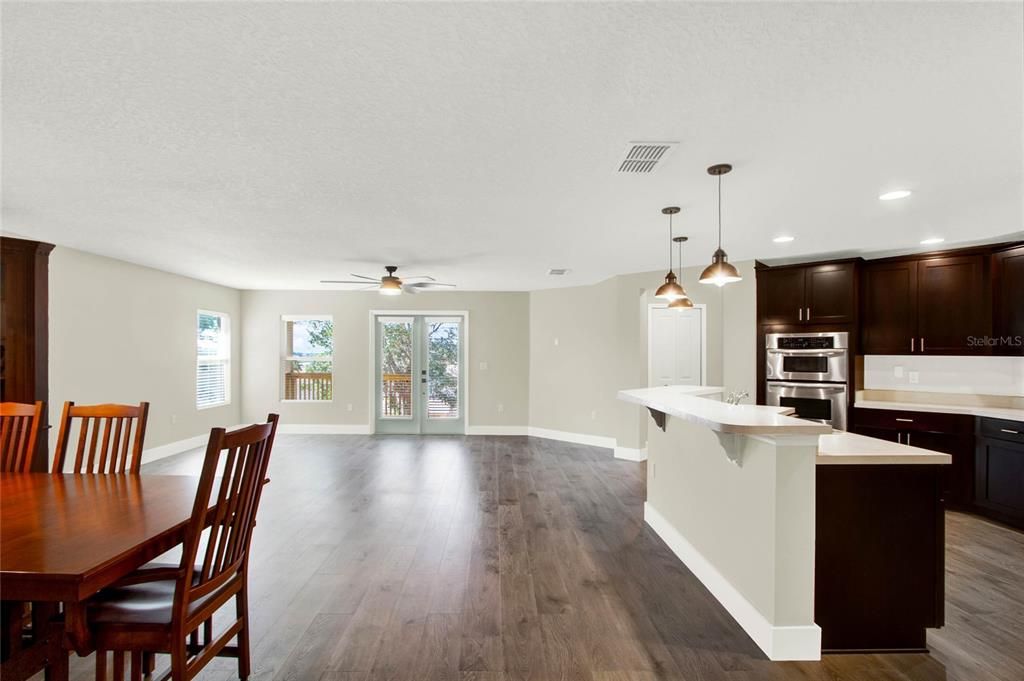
{"x":556,"y":342}
{"x":593,"y":415}
{"x":501,"y":408}
{"x":174,"y":419}
{"x":897,"y":372}
{"x":483,"y":366}
{"x":914,"y":377}
{"x":348,"y":406}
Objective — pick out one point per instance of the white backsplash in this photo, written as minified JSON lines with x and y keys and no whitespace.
{"x":935,"y":374}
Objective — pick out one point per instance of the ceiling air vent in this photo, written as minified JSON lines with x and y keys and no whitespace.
{"x":558,"y":272}
{"x":644,"y":157}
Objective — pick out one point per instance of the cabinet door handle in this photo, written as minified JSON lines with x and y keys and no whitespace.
{"x":905,"y":420}
{"x":1011,"y":432}
{"x":808,"y":314}
{"x":800,"y":310}
{"x":908,"y":438}
{"x":911,"y":343}
{"x":899,"y":437}
{"x":922,"y":343}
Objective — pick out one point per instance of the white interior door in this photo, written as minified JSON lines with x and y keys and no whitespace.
{"x":675,"y":346}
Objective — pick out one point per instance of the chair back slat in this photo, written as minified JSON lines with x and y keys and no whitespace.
{"x":119,"y":450}
{"x":19,"y":433}
{"x":225,"y":509}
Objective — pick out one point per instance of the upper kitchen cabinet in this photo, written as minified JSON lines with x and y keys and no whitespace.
{"x":888,"y":325}
{"x":808,"y":294}
{"x":1008,"y":301}
{"x":931,"y":305}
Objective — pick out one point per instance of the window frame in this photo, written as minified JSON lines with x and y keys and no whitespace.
{"x":224,"y":360}
{"x":286,"y":357}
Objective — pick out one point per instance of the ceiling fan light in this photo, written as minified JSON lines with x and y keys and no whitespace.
{"x":720,"y":272}
{"x":390,"y":286}
{"x":670,"y":290}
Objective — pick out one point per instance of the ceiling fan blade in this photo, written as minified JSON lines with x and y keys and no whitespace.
{"x":419,"y":276}
{"x":425,"y":285}
{"x":409,"y":288}
{"x":363,"y":276}
{"x":338,"y":281}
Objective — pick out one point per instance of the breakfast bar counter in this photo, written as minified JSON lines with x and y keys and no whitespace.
{"x":812,"y":540}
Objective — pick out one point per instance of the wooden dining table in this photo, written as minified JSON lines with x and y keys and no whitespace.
{"x":65,"y":537}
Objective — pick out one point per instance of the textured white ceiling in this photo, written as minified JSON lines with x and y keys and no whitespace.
{"x":269,"y":145}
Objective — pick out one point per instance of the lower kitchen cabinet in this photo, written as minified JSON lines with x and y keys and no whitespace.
{"x":999,"y":470}
{"x":951,"y":434}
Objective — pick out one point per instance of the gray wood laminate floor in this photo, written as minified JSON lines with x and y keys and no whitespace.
{"x":504,"y":558}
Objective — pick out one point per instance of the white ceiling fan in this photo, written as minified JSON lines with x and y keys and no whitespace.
{"x":390,"y":284}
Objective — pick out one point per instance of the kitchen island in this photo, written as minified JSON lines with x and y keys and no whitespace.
{"x":812,"y":540}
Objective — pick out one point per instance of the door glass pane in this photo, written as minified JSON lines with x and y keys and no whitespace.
{"x":396,"y":368}
{"x":442,"y":369}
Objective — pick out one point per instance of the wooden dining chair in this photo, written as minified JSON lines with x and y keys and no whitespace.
{"x":105,"y":442}
{"x":19,"y":431}
{"x":157,"y":610}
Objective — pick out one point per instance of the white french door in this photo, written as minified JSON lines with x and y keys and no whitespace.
{"x":420,"y":384}
{"x":675,"y":346}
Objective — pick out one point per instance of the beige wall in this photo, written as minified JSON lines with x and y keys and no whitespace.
{"x":498,"y":336}
{"x":124,"y":333}
{"x":602,"y":348}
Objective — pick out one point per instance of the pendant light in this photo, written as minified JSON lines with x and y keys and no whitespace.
{"x":670,"y":290}
{"x":684,"y":302}
{"x":720,"y":272}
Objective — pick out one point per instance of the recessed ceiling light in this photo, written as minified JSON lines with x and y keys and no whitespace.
{"x":895,"y":194}
{"x":932,"y":240}
{"x":782,"y":239}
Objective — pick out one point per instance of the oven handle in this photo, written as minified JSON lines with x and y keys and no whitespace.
{"x":830,"y":387}
{"x":823,"y":353}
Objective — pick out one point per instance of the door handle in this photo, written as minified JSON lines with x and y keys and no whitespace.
{"x":911,"y":343}
{"x":922,"y":343}
{"x":800,"y":311}
{"x":808,"y":314}
{"x":908,"y":438}
{"x":899,"y":437}
{"x":906,"y":420}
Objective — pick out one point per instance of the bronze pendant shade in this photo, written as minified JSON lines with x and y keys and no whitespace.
{"x":684,"y":302}
{"x":720,"y":272}
{"x":670,"y":290}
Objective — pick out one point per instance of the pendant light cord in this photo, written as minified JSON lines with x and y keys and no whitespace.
{"x":719,"y":212}
{"x":669,"y":242}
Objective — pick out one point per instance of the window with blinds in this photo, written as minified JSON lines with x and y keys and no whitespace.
{"x":307,"y":358}
{"x":213,"y":359}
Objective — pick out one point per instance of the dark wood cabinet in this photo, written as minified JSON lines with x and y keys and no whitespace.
{"x":1008,"y":301}
{"x":951,"y":434}
{"x":888,"y":325}
{"x":783,"y":290}
{"x":24,"y":323}
{"x":952,"y":305}
{"x":999,"y":470}
{"x":932,"y":305}
{"x":824,"y":293}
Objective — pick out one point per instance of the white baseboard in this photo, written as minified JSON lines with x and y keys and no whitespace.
{"x":631,"y":453}
{"x":778,"y":642}
{"x":179,"y":446}
{"x":324,"y":429}
{"x":577,"y":438}
{"x":497,"y":430}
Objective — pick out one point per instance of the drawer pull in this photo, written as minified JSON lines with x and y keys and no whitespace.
{"x":906,"y":420}
{"x":1011,"y":432}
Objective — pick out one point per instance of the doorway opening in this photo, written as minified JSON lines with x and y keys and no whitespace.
{"x":419,"y":377}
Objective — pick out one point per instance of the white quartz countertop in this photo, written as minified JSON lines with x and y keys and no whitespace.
{"x":989,"y":412}
{"x":851,"y":448}
{"x":692,"y":403}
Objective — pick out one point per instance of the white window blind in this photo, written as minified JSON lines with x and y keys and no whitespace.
{"x":308,"y":358}
{"x":213,"y":359}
